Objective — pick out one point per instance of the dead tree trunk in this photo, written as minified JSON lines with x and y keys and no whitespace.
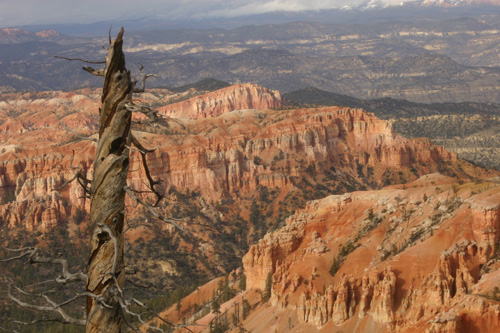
{"x":107,"y":198}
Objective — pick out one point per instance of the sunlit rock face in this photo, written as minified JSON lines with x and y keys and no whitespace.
{"x":423,"y":272}
{"x":239,"y":97}
{"x":228,"y":142}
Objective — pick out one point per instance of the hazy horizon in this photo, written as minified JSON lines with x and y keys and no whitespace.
{"x":35,"y":12}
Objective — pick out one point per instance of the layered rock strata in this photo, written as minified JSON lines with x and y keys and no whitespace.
{"x":399,"y":271}
{"x":239,"y":97}
{"x":231,"y":154}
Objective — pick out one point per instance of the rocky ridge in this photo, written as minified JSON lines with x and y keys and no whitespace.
{"x":214,"y":169}
{"x":234,"y":152}
{"x":233,"y":98}
{"x":224,"y":154}
{"x":15,"y":35}
{"x":468,"y":129}
{"x":412,"y":273}
{"x":416,"y":258}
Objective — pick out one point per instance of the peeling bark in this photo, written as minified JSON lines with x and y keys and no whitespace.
{"x":107,"y":194}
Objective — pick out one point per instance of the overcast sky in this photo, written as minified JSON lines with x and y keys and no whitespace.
{"x":27,"y":12}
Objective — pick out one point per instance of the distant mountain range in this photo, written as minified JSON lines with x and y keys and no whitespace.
{"x":344,"y":12}
{"x":418,"y":53}
{"x":446,"y":60}
{"x":16,"y":35}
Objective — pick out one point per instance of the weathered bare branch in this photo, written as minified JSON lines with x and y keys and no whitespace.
{"x":143,"y":79}
{"x":43,"y":320}
{"x":109,"y":33}
{"x":72,"y":179}
{"x":83,"y":181}
{"x":44,"y":294}
{"x":80,"y":59}
{"x":138,"y":285}
{"x":33,"y":258}
{"x":151,"y":209}
{"x":6,"y":330}
{"x":169,"y":220}
{"x":53,"y":308}
{"x":66,"y":276}
{"x":150,"y":113}
{"x":74,"y":132}
{"x":143,"y":83}
{"x":126,"y":304}
{"x":139,"y":146}
{"x":96,"y":72}
{"x":173,"y":325}
{"x":22,"y":255}
{"x":152,"y":183}
{"x":129,"y":325}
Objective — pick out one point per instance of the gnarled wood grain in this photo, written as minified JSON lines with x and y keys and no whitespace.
{"x":105,"y":266}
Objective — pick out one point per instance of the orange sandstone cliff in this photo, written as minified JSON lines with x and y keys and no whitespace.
{"x":239,"y":97}
{"x":386,"y":261}
{"x":415,"y":257}
{"x":232,"y":154}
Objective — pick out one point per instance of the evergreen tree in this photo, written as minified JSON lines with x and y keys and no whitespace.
{"x":267,"y":289}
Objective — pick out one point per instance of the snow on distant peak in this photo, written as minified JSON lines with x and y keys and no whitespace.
{"x":380,"y":4}
{"x":456,"y":3}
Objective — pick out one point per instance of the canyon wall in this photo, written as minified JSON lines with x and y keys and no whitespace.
{"x":238,"y":97}
{"x":235,"y":152}
{"x":425,"y":272}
